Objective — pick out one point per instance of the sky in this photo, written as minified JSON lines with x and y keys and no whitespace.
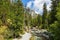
{"x":37,"y":5}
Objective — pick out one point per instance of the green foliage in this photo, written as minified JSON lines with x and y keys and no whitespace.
{"x":55,"y":27}
{"x":52,"y":15}
{"x":17,"y":17}
{"x":34,"y":22}
{"x":12,"y":16}
{"x":39,"y":20}
{"x":44,"y":17}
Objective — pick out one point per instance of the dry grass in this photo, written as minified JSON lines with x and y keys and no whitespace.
{"x":32,"y":38}
{"x":1,"y":37}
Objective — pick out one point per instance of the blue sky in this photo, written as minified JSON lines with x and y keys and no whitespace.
{"x":37,"y":5}
{"x":25,"y":2}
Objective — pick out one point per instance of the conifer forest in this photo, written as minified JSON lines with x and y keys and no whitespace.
{"x":18,"y":22}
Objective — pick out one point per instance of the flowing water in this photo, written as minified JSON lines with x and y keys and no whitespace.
{"x":26,"y":36}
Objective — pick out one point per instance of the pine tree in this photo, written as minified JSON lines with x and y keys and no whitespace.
{"x":39,"y":20}
{"x":44,"y":17}
{"x":53,"y":12}
{"x":55,"y":27}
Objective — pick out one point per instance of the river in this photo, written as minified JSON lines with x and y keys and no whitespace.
{"x":26,"y":36}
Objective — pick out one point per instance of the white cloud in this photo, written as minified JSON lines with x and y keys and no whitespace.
{"x":38,"y":5}
{"x":29,"y":4}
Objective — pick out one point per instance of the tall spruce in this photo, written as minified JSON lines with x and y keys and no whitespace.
{"x":53,"y":12}
{"x":55,"y":27}
{"x":44,"y":16}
